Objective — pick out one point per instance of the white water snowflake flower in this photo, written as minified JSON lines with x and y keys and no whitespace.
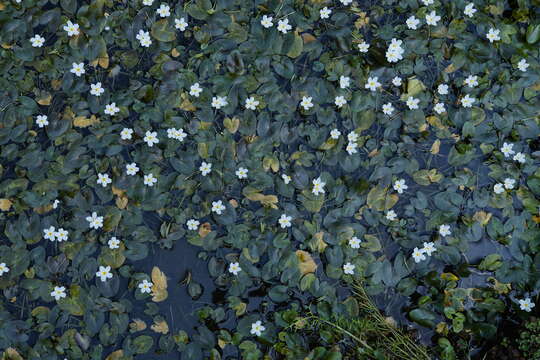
{"x":41,"y":120}
{"x":318,"y":186}
{"x":95,"y":221}
{"x":150,"y":180}
{"x":144,"y":38}
{"x":61,"y":235}
{"x":418,"y":255}
{"x":77,"y":69}
{"x":523,"y":65}
{"x":442,"y":89}
{"x":111,"y":109}
{"x":354,"y":242}
{"x":396,"y":81}
{"x":71,"y":28}
{"x":148,"y":2}
{"x":432,"y":18}
{"x":145,"y":286}
{"x":352,"y":136}
{"x":400,"y":186}
{"x":234,"y":268}
{"x":352,"y":148}
{"x":469,"y":10}
{"x":412,"y":23}
{"x":104,"y":273}
{"x":471,"y":81}
{"x":58,"y":293}
{"x":439,"y":108}
{"x":325,"y":13}
{"x":363,"y":47}
{"x":519,"y":157}
{"x":498,"y":188}
{"x":340,"y":101}
{"x":509,"y":183}
{"x":284,"y":26}
{"x":4,"y":269}
{"x":242,"y":173}
{"x":373,"y":83}
{"x":50,"y":233}
{"x":344,"y":81}
{"x":429,"y":248}
{"x":286,"y":178}
{"x":335,"y":134}
{"x":285,"y":221}
{"x":205,"y":168}
{"x":164,"y":11}
{"x":180,"y":24}
{"x":444,"y":230}
{"x":493,"y":35}
{"x":150,"y":138}
{"x":96,"y":89}
{"x":252,"y":103}
{"x":266,"y":21}
{"x":391,"y":215}
{"x":507,"y":149}
{"x":467,"y":101}
{"x":412,"y":103}
{"x":388,"y":109}
{"x":218,"y":207}
{"x":195,"y":90}
{"x":193,"y":224}
{"x":219,"y":101}
{"x":113,"y":243}
{"x":126,"y":134}
{"x":526,"y":304}
{"x":348,"y":268}
{"x":306,"y":102}
{"x":257,"y":328}
{"x":37,"y":40}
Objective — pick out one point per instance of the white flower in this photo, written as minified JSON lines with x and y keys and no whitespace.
{"x":318,"y":186}
{"x":509,"y":183}
{"x":400,"y":186}
{"x":103,"y":179}
{"x":429,"y":248}
{"x":334,"y":134}
{"x":363,"y":47}
{"x":266,"y":21}
{"x":418,"y":255}
{"x":205,"y":168}
{"x":523,"y":65}
{"x":354,"y":242}
{"x":432,"y":18}
{"x":306,"y":102}
{"x":164,"y":11}
{"x":61,"y":235}
{"x":340,"y":101}
{"x":58,"y":293}
{"x":412,"y":23}
{"x":181,"y":24}
{"x":219,"y":101}
{"x":442,"y":89}
{"x":344,"y":81}
{"x":352,"y":136}
{"x":144,"y":38}
{"x":37,"y":40}
{"x":507,"y":149}
{"x":498,"y":188}
{"x":493,"y":35}
{"x":391,"y":215}
{"x":346,"y":2}
{"x":234,"y":268}
{"x":195,"y":90}
{"x":55,"y":203}
{"x":352,"y":148}
{"x":471,"y":81}
{"x":286,"y":178}
{"x":395,"y":51}
{"x":427,"y":2}
{"x":467,"y":101}
{"x":439,"y":108}
{"x":150,"y":180}
{"x":526,"y":304}
{"x":469,"y":10}
{"x":111,"y":109}
{"x":519,"y":157}
{"x":373,"y":83}
{"x":348,"y":268}
{"x":150,"y":138}
{"x":325,"y":13}
{"x":94,"y":221}
{"x":77,"y":69}
{"x":41,"y":120}
{"x":396,"y":81}
{"x":285,"y":221}
{"x":50,"y":233}
{"x":177,"y":134}
{"x":146,"y":286}
{"x":193,"y":224}
{"x":283,"y":26}
{"x":387,"y":109}
{"x":96,"y":89}
{"x":126,"y":134}
{"x":412,"y":103}
{"x":4,"y":269}
{"x":104,"y":273}
{"x":242,"y":173}
{"x":148,"y":2}
{"x":251,"y":103}
{"x":71,"y":28}
{"x":113,"y":243}
{"x":218,"y":207}
{"x":444,"y":230}
{"x":257,"y":328}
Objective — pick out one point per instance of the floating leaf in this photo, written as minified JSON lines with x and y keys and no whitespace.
{"x":160,"y":327}
{"x":306,"y":264}
{"x":162,"y":31}
{"x":5,"y":204}
{"x":379,"y":199}
{"x":159,"y":288}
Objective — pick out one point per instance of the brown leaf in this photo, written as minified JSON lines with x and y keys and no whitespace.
{"x":160,"y":327}
{"x":12,"y":354}
{"x":116,"y":355}
{"x":137,"y":325}
{"x":5,"y":204}
{"x":45,"y":99}
{"x":159,"y":288}
{"x":482,"y":217}
{"x":205,"y":229}
{"x":319,"y":243}
{"x":306,"y":264}
{"x":43,"y":209}
{"x":83,"y":121}
{"x":435,"y":147}
{"x":265,"y":200}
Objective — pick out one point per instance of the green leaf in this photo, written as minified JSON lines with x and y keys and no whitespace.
{"x":161,"y":31}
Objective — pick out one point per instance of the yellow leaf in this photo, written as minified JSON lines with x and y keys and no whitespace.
{"x":159,"y":288}
{"x":5,"y":204}
{"x":116,"y":355}
{"x":205,"y":229}
{"x":265,"y":200}
{"x":482,"y":217}
{"x":449,"y":277}
{"x":186,"y":104}
{"x":160,"y":327}
{"x":414,"y":86}
{"x":175,"y":53}
{"x":318,"y":242}
{"x":137,"y":325}
{"x":121,"y":202}
{"x":435,"y":147}
{"x":306,"y":264}
{"x":231,"y":124}
{"x":83,"y":121}
{"x":43,"y":209}
{"x":12,"y":354}
{"x":379,"y":199}
{"x":45,"y":99}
